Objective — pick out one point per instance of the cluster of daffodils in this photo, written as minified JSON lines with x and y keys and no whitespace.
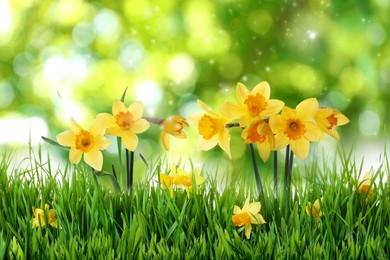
{"x":179,"y":178}
{"x":124,"y":122}
{"x":258,"y":115}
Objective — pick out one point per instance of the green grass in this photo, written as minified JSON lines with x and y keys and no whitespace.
{"x":97,"y":223}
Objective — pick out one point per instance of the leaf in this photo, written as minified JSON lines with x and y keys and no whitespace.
{"x":52,"y":142}
{"x":114,"y":181}
{"x":124,"y":95}
{"x":144,"y":160}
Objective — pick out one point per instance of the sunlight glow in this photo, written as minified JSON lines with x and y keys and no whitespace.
{"x":20,"y":130}
{"x":6,"y":18}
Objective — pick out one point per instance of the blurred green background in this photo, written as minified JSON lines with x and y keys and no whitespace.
{"x":72,"y":58}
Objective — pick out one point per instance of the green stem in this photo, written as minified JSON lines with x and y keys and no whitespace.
{"x":94,"y":176}
{"x":275,"y":174}
{"x":129,"y":169}
{"x":287,"y":168}
{"x":257,"y":174}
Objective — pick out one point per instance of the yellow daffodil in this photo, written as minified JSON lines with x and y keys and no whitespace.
{"x":90,"y":143}
{"x":184,"y":179}
{"x":248,"y":215}
{"x":39,"y":217}
{"x":211,"y":128}
{"x":314,"y":210}
{"x":328,"y":118}
{"x":366,"y":187}
{"x":174,"y":126}
{"x":295,"y":127}
{"x":125,"y":122}
{"x":260,"y":134}
{"x":252,"y":105}
{"x":167,"y":182}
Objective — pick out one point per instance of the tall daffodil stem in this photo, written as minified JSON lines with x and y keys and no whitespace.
{"x":129,"y":169}
{"x":275,"y":174}
{"x":256,"y":170}
{"x":287,"y":168}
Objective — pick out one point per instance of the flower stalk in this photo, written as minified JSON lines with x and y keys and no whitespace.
{"x":256,"y":171}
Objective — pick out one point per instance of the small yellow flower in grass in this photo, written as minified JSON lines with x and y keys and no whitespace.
{"x":39,"y":217}
{"x":252,"y":105}
{"x":248,"y":215}
{"x":90,"y":143}
{"x":314,"y":210}
{"x":167,"y":182}
{"x":125,"y":122}
{"x":366,"y":187}
{"x":184,"y":179}
{"x":260,"y":134}
{"x":211,"y":128}
{"x":295,"y":127}
{"x":328,"y":118}
{"x":174,"y":126}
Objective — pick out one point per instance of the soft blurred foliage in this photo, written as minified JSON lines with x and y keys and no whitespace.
{"x":72,"y":58}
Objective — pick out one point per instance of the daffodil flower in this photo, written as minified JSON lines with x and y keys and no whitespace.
{"x":167,"y":182}
{"x":125,"y":122}
{"x":314,"y":210}
{"x":248,"y":215}
{"x":90,"y":143}
{"x":260,"y":134}
{"x":174,"y":126}
{"x":366,"y":187}
{"x":39,"y":217}
{"x":212,"y":129}
{"x":184,"y":179}
{"x":252,"y":105}
{"x":295,"y":127}
{"x":328,"y":118}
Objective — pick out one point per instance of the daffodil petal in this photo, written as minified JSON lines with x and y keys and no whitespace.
{"x":137,"y":110}
{"x":140,"y":126}
{"x":273,"y":107}
{"x":307,"y":109}
{"x":242,"y":93}
{"x":236,"y":210}
{"x":231,"y":110}
{"x":94,"y":158}
{"x":224,"y":142}
{"x":262,"y":88}
{"x":248,"y":230}
{"x":287,"y":113}
{"x":313,"y":133}
{"x":130,"y":141}
{"x":264,"y":150}
{"x":106,"y":119}
{"x":205,"y":145}
{"x":66,"y":138}
{"x":254,"y":208}
{"x":75,"y":155}
{"x":342,"y":119}
{"x":206,"y":108}
{"x":118,"y":107}
{"x":101,"y":142}
{"x":194,"y":119}
{"x":333,"y":133}
{"x":281,"y":141}
{"x":115,"y":131}
{"x":277,"y":124}
{"x":74,"y":127}
{"x":257,"y":219}
{"x":300,"y":148}
{"x":98,"y":127}
{"x":165,"y":140}
{"x":247,"y":120}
